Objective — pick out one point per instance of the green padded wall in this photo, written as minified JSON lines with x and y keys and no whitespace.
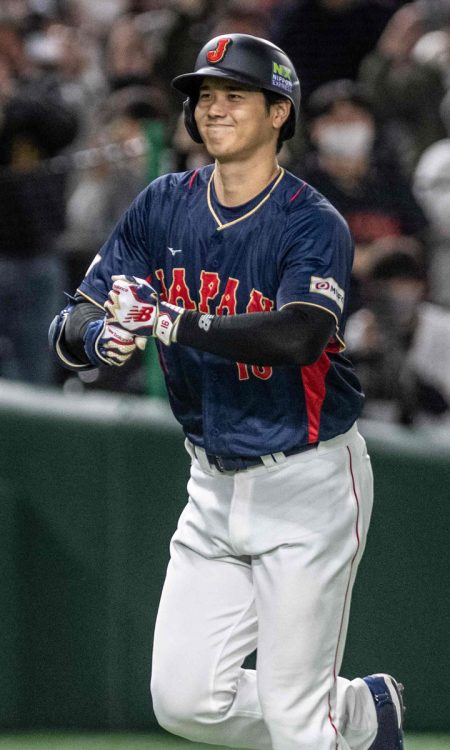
{"x":90,"y":491}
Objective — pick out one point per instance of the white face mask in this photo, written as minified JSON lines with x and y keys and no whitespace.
{"x":432,"y":185}
{"x":346,"y":140}
{"x":438,"y":209}
{"x":104,"y":11}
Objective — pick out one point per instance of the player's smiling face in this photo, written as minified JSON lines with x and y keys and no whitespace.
{"x":233,"y":120}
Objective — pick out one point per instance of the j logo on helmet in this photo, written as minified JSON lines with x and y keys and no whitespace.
{"x":217,"y":54}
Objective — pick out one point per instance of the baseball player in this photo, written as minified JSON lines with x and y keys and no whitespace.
{"x":240,"y":271}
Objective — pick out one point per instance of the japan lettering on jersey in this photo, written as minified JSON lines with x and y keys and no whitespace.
{"x":288,"y":245}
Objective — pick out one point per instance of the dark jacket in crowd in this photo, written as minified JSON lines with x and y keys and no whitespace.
{"x":35,"y":125}
{"x":326,"y":44}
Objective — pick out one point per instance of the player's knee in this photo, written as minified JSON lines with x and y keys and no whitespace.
{"x":165,"y":705}
{"x":174,"y":705}
{"x":184,"y":709}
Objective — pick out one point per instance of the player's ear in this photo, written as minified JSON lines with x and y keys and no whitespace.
{"x":280,"y":112}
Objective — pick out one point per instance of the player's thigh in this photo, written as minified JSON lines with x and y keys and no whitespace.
{"x":303,"y":587}
{"x":206,"y":625}
{"x":300,"y":614}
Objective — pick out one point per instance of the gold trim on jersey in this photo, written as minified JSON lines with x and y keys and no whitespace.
{"x":249,"y":213}
{"x":313,"y":304}
{"x":89,"y":299}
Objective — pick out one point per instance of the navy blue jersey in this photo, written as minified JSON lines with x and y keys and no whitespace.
{"x":288,"y":245}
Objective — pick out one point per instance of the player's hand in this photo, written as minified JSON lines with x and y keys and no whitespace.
{"x":109,"y":344}
{"x":134,"y":305}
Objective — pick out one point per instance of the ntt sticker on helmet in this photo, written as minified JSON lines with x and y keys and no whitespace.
{"x":217,"y":54}
{"x":329,"y":288}
{"x":281,"y":77}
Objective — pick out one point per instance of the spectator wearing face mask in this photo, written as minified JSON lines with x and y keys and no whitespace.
{"x":432,"y":189}
{"x":350,"y":163}
{"x":387,"y":340}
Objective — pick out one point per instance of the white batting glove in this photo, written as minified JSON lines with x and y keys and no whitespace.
{"x":134,"y":305}
{"x":109,"y":344}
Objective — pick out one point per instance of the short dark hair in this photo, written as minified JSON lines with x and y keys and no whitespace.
{"x":325,"y":96}
{"x":398,"y":265}
{"x":271,"y":97}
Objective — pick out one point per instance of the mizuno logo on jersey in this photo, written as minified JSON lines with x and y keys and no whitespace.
{"x":173,"y":251}
{"x":329,"y":288}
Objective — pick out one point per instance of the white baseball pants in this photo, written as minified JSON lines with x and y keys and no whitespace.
{"x":266,"y":558}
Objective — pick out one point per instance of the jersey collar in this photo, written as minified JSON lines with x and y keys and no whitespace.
{"x":220,"y":224}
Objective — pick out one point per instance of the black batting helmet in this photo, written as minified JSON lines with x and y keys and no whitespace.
{"x":245,"y":59}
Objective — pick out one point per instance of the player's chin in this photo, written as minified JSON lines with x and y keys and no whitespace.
{"x":221,"y":150}
{"x":219,"y":144}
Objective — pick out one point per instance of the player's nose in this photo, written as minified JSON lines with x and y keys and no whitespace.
{"x":217,"y":105}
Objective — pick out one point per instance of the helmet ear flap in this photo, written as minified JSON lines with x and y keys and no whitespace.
{"x":189,"y":119}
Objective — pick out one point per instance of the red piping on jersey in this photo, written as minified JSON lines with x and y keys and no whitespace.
{"x":300,"y":190}
{"x":192,"y":180}
{"x":313,"y":378}
{"x":347,"y":591}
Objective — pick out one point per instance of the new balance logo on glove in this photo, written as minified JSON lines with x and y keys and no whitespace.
{"x":134,"y":305}
{"x":140,"y":314}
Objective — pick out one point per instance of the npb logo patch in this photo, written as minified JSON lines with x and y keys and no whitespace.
{"x":329,"y":288}
{"x":281,"y":76}
{"x":217,"y":54}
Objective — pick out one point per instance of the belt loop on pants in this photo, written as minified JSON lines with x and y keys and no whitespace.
{"x":200,"y":455}
{"x":223,"y":464}
{"x":272,"y":459}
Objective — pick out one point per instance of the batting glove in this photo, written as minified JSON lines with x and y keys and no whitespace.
{"x":134,"y":305}
{"x":109,"y":344}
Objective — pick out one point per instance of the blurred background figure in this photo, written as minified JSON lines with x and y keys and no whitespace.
{"x":386,"y":337}
{"x":129,"y":59}
{"x":407,"y":75}
{"x":328,"y":39}
{"x":35,"y":125}
{"x":432,"y":189}
{"x":351,"y":163}
{"x":241,"y":17}
{"x":178,"y":28}
{"x":127,"y":150}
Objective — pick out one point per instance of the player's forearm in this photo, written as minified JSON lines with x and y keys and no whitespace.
{"x":82,"y":338}
{"x":78,"y":320}
{"x":292,"y":336}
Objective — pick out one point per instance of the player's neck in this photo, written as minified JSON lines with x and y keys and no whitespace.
{"x":236,"y":183}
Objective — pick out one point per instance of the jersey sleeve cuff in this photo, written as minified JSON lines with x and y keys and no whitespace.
{"x":92,"y":295}
{"x":339,"y":343}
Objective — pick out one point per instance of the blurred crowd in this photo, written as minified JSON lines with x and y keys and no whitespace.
{"x":88,"y":118}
